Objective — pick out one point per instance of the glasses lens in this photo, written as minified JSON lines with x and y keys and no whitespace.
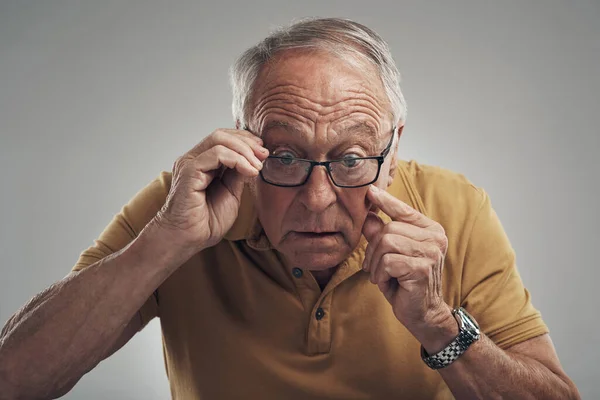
{"x":354,"y":171}
{"x":285,"y":171}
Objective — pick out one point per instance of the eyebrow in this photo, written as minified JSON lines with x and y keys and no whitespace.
{"x":275,"y":124}
{"x":361,"y":128}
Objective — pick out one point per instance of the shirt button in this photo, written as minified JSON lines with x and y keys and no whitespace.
{"x":297,"y":272}
{"x":319,"y":314}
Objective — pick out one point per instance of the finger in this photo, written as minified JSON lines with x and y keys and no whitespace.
{"x":387,"y":288}
{"x":396,"y":208}
{"x":205,"y":181}
{"x":234,"y":139}
{"x":371,"y":229}
{"x":241,"y":144}
{"x":411,"y":231}
{"x":255,"y":142}
{"x":400,"y":267}
{"x":400,"y":228}
{"x":372,"y":226}
{"x":220,"y":155}
{"x":396,"y":244}
{"x":260,"y":152}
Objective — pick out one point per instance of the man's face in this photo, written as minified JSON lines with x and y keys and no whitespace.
{"x":317,"y":107}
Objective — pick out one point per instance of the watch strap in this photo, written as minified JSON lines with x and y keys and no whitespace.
{"x":468,"y":333}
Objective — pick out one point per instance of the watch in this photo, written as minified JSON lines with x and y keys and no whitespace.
{"x":468,"y":333}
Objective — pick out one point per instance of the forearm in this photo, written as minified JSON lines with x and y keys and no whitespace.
{"x":66,"y":330}
{"x":486,"y":371}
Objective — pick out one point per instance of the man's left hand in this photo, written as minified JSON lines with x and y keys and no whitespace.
{"x":405,"y":258}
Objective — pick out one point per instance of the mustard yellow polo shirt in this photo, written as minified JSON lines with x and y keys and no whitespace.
{"x":237,"y":322}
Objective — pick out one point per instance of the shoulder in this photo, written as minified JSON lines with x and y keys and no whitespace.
{"x":144,"y":205}
{"x":129,"y":222}
{"x":446,"y":196}
{"x":159,"y":187}
{"x":430,"y":178}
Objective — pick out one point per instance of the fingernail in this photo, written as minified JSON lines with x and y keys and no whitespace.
{"x":374,"y":188}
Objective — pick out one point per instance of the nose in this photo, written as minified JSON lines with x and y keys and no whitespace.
{"x":319,"y":192}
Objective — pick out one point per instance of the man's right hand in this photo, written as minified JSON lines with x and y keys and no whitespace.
{"x":207,"y":185}
{"x":88,"y":315}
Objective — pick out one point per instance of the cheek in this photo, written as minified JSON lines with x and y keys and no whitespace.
{"x":272,"y":204}
{"x":358,"y":205}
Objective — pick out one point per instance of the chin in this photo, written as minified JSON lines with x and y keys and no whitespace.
{"x":316,"y":253}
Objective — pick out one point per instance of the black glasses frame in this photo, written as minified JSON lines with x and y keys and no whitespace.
{"x":380,"y":159}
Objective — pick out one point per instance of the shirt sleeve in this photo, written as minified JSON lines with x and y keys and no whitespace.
{"x":125,"y":227}
{"x":492,"y":289}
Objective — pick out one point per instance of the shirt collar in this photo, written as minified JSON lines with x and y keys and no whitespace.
{"x":247,"y":226}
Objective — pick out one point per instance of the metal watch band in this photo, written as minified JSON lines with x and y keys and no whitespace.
{"x":468,"y":333}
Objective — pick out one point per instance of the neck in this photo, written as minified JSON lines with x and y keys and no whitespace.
{"x":323,"y":276}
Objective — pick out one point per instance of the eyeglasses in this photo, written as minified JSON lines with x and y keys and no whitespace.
{"x":351,"y":172}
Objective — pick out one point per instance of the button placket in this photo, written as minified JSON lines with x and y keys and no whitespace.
{"x":319,"y":326}
{"x":306,"y":288}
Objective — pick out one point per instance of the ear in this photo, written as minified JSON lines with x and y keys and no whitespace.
{"x":392,"y":171}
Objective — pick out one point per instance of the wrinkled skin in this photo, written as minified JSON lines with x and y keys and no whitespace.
{"x":319,"y":107}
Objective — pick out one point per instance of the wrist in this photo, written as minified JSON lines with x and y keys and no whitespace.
{"x":160,"y":246}
{"x":437,"y":331}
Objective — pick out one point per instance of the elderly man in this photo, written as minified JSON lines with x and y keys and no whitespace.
{"x":295,"y":257}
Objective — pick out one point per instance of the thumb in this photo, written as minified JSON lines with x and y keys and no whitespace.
{"x":373,"y":224}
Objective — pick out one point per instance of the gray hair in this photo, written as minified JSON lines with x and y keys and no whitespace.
{"x":340,"y":37}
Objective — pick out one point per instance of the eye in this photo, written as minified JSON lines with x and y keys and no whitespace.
{"x":287,"y":158}
{"x":351,"y":160}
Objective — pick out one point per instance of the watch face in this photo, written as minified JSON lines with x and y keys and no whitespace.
{"x":468,"y":321}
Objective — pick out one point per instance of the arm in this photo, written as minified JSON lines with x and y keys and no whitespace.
{"x":69,"y":328}
{"x":66,"y":330}
{"x":410,"y":251}
{"x":528,"y":370}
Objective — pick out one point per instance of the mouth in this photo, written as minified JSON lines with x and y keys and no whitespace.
{"x":315,"y":235}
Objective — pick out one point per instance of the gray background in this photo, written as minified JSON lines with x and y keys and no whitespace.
{"x":96,"y":98}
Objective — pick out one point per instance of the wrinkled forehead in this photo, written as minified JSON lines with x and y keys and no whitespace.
{"x":318,"y":88}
